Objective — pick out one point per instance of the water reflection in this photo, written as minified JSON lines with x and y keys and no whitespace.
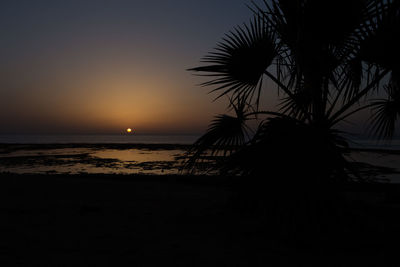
{"x":91,"y":160}
{"x":139,"y":155}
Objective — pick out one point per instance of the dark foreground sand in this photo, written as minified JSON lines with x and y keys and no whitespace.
{"x":192,"y":221}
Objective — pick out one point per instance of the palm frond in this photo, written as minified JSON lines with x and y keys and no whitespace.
{"x":238,"y":64}
{"x":386,"y":113}
{"x":378,"y":48}
{"x":380,"y":44}
{"x":297,"y":105}
{"x":316,"y":31}
{"x":352,"y":78}
{"x":225,"y":134}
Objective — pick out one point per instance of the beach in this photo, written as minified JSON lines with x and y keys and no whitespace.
{"x":131,"y":204}
{"x":142,"y":220}
{"x":92,"y":221}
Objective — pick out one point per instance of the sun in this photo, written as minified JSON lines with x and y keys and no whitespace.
{"x":129,"y":130}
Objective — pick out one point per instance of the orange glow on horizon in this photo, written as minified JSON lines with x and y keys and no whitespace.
{"x":129,"y":130}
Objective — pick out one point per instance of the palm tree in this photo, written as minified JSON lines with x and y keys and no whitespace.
{"x":329,"y":60}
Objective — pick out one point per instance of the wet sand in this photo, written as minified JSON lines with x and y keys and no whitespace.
{"x":110,"y":220}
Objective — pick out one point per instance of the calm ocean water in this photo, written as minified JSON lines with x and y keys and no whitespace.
{"x":152,"y":139}
{"x":98,"y":139}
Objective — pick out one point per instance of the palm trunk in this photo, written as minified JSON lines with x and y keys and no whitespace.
{"x":317,"y":104}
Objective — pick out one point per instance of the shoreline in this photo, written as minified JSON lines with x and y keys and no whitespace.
{"x":164,"y":159}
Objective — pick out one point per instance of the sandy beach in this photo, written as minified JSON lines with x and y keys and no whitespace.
{"x":109,"y":220}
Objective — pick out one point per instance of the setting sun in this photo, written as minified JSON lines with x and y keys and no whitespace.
{"x":129,"y":130}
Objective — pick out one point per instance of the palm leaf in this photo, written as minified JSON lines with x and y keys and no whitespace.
{"x":377,"y":47}
{"x":238,"y":64}
{"x":297,"y":105}
{"x":225,"y":134}
{"x":386,"y":114}
{"x":352,"y":78}
{"x":380,"y":44}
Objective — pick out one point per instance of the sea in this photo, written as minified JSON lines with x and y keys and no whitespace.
{"x":100,"y":139}
{"x":180,"y":139}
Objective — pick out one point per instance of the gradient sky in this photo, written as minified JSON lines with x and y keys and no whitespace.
{"x":96,"y":66}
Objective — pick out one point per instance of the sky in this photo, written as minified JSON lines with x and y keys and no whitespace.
{"x":96,"y":66}
{"x":102,"y":66}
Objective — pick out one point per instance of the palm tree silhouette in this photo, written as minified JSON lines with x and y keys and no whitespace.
{"x":326,"y":58}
